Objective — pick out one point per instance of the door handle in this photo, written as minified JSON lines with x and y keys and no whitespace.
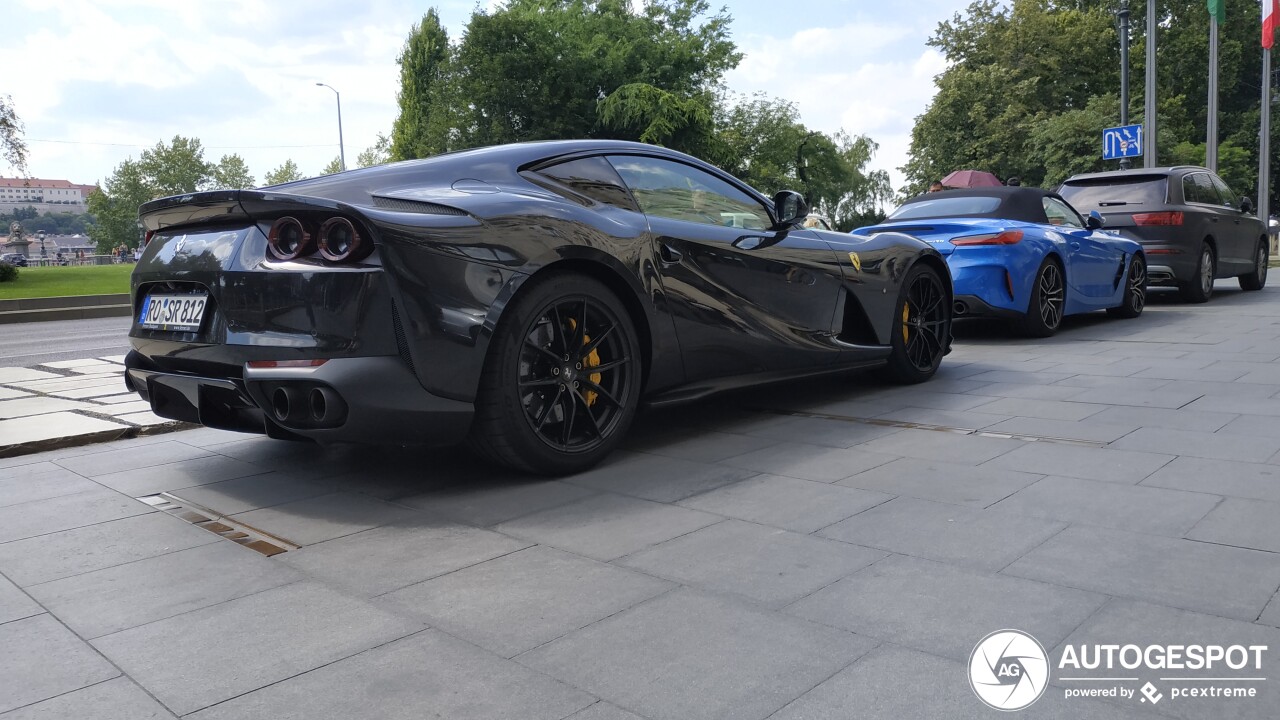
{"x":669,"y":254}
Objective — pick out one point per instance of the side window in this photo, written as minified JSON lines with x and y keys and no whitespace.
{"x":1060,"y":214}
{"x":593,"y":177}
{"x":672,"y":190}
{"x":1196,"y":188}
{"x":1228,"y":198}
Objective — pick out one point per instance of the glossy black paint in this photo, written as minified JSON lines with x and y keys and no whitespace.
{"x":457,"y":236}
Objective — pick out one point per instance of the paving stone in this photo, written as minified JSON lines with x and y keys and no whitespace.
{"x":1199,"y":444}
{"x":661,"y":479}
{"x":831,"y":432}
{"x":943,"y":609}
{"x":42,"y":659}
{"x":1125,"y":622}
{"x":1014,"y":376}
{"x":317,"y":519}
{"x":11,"y":393}
{"x":707,"y":447}
{"x":519,"y":601}
{"x":93,"y":547}
{"x":93,"y":391}
{"x":183,"y":474}
{"x":1130,"y":384}
{"x":145,"y":418}
{"x":132,"y":459}
{"x":984,"y":539}
{"x":68,"y":364}
{"x":1183,"y":419}
{"x":685,"y":656}
{"x":922,"y":398}
{"x":1220,"y":477}
{"x":603,"y":711}
{"x":125,"y":397}
{"x":809,"y":462}
{"x":1241,"y":523}
{"x":52,"y":426}
{"x":937,"y":445}
{"x":1088,"y":430}
{"x":383,"y":559}
{"x":1271,"y":615}
{"x":789,"y":503}
{"x":965,"y":419}
{"x":11,"y":375}
{"x":97,"y":368}
{"x":1046,"y":409}
{"x":65,"y":512}
{"x":1049,"y":458}
{"x":1032,"y":392}
{"x":23,"y":407}
{"x":1158,"y":398}
{"x":1137,"y":508}
{"x":118,"y":699}
{"x":1226,"y":581}
{"x":118,"y":409}
{"x":771,"y":566}
{"x":1224,"y":391}
{"x":15,"y":604}
{"x":489,"y":504}
{"x":607,"y":526}
{"x":942,"y":481}
{"x":230,"y":497}
{"x":125,"y":596}
{"x":1251,"y":405}
{"x":279,"y":633}
{"x":429,"y":672}
{"x":45,"y":481}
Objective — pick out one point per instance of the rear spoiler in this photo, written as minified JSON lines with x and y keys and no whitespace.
{"x":225,"y":206}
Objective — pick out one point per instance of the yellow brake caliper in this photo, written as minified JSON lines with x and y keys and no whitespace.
{"x":906,"y":315}
{"x":593,"y":360}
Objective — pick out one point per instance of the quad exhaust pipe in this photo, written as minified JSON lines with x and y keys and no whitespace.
{"x":959,"y":308}
{"x":307,"y":406}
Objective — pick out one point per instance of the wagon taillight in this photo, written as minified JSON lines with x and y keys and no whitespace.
{"x":1157,"y":218}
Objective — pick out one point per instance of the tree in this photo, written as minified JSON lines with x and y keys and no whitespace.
{"x":334,"y":167}
{"x":422,"y":64}
{"x":12,"y":147}
{"x":376,"y":154}
{"x":287,"y":172}
{"x":232,"y":173}
{"x":114,"y":206}
{"x":176,"y":168}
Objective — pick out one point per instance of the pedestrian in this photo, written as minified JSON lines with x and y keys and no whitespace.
{"x":936,"y":186}
{"x":1013,"y":181}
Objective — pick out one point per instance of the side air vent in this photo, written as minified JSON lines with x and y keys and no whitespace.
{"x":415,"y":206}
{"x":402,"y":342}
{"x":856,"y":328}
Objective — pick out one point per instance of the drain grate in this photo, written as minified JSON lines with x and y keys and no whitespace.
{"x":938,"y":428}
{"x":219,"y":524}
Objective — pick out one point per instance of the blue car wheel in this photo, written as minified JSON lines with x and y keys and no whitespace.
{"x":1048,"y":298}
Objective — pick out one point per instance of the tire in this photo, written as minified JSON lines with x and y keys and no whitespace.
{"x":1257,"y":279}
{"x":1135,"y":290}
{"x":537,"y":411}
{"x":921,"y":328}
{"x":1047,"y":303}
{"x":1200,"y":289}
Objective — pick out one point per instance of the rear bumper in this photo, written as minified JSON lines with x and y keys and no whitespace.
{"x":375,"y":400}
{"x":976,"y":307}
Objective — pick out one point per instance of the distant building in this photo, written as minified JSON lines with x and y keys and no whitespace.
{"x":46,"y":196}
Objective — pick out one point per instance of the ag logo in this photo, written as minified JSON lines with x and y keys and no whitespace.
{"x":1008,"y":670}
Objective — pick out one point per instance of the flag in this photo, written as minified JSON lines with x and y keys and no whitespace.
{"x":1218,"y":9}
{"x":1270,"y":15}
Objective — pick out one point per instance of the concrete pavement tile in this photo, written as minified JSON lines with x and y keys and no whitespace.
{"x":68,"y":364}
{"x":131,"y":459}
{"x":175,"y":475}
{"x":126,"y":596}
{"x":1170,"y":397}
{"x":33,"y":466}
{"x":10,"y":393}
{"x":117,"y":699}
{"x":1217,"y":446}
{"x":1183,"y":419}
{"x":824,"y":431}
{"x":1049,"y":458}
{"x":22,"y":407}
{"x":1241,"y":523}
{"x":1219,"y":477}
{"x":124,"y":397}
{"x":1190,"y":372}
{"x":42,"y":517}
{"x":316,"y":519}
{"x":86,"y":393}
{"x":1089,"y":429}
{"x":97,"y":368}
{"x":519,"y":601}
{"x":1126,"y":622}
{"x":1226,"y":581}
{"x":921,"y":398}
{"x":52,"y":426}
{"x":93,"y":547}
{"x":427,"y":674}
{"x":279,"y":633}
{"x":1106,"y":382}
{"x":1250,"y":405}
{"x":1271,"y":615}
{"x":789,"y":503}
{"x":943,"y":609}
{"x":966,"y":419}
{"x":118,"y":409}
{"x":1016,"y":376}
{"x":684,"y":656}
{"x":42,"y":659}
{"x":486,"y":504}
{"x":145,"y":418}
{"x":809,"y":462}
{"x":378,"y":561}
{"x":983,"y":539}
{"x":657,"y":478}
{"x":1252,"y":426}
{"x":604,"y":711}
{"x":938,"y":445}
{"x":79,"y":382}
{"x":607,"y":526}
{"x":10,"y":375}
{"x":205,"y":436}
{"x":707,"y":447}
{"x":231,"y":497}
{"x":771,"y":566}
{"x":942,"y":481}
{"x":1225,"y":391}
{"x":1137,"y":508}
{"x":1030,"y":392}
{"x":15,"y":604}
{"x":29,"y":487}
{"x":113,"y":358}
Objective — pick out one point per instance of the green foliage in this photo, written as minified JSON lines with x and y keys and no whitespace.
{"x":231,"y":173}
{"x":8,"y":273}
{"x":50,"y":223}
{"x":423,"y":62}
{"x":656,"y":116}
{"x":176,"y":168}
{"x":114,"y":206}
{"x":12,"y":147}
{"x":287,"y":172}
{"x":376,"y":154}
{"x":334,"y":167}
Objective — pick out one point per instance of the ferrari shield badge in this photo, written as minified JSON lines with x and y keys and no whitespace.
{"x":857,"y":262}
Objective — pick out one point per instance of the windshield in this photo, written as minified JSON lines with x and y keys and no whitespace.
{"x":946,"y":207}
{"x":1107,"y":192}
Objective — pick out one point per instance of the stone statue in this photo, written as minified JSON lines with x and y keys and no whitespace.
{"x":17,"y":240}
{"x":15,"y":231}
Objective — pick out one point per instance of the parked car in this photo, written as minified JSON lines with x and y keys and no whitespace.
{"x":526,"y":298}
{"x":14,"y":259}
{"x":1193,"y":227}
{"x":1024,"y":254}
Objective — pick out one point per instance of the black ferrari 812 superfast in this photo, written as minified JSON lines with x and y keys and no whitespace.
{"x":525,"y":298}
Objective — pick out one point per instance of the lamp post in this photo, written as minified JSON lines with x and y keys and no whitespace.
{"x":40,"y":237}
{"x":342,"y":153}
{"x":1123,"y":16}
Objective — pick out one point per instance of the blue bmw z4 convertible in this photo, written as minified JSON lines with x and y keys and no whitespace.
{"x":1024,"y":254}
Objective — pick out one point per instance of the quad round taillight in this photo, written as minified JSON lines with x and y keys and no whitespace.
{"x":340,"y":241}
{"x":289,"y":239}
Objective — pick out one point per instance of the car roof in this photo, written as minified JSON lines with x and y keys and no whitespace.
{"x":1138,"y":172}
{"x":1016,"y":202}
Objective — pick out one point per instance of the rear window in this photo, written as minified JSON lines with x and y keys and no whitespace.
{"x":946,"y":207}
{"x":1107,"y":192}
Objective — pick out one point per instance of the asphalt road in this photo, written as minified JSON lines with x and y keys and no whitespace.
{"x":26,"y":344}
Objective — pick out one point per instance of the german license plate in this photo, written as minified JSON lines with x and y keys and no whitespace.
{"x":179,"y":313}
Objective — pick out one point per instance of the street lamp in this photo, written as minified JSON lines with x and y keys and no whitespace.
{"x":342,"y":153}
{"x":40,"y":237}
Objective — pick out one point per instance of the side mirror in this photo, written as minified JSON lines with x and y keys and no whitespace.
{"x":790,"y":207}
{"x":1095,"y":220}
{"x":1246,"y":205}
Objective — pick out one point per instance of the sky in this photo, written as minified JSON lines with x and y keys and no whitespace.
{"x":96,"y":82}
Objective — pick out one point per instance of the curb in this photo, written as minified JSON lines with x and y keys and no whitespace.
{"x":70,"y":307}
{"x":124,"y":433}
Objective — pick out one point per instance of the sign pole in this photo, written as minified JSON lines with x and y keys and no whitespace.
{"x":1149,"y":120}
{"x":1211,"y":135}
{"x":1264,"y":144}
{"x":1124,"y":71}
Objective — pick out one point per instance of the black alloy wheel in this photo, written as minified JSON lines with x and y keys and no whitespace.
{"x":562,"y":382}
{"x":1257,"y":279}
{"x":1134,"y":298}
{"x":922,"y":326}
{"x":1047,"y":303}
